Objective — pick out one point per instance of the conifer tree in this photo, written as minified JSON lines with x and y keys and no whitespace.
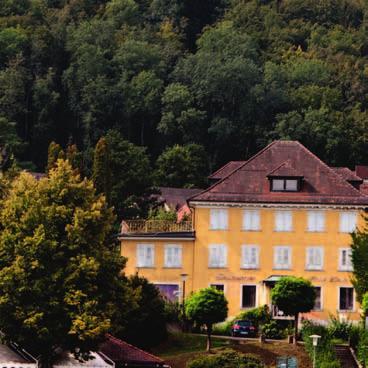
{"x":54,"y":153}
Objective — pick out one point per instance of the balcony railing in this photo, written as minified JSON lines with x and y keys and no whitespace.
{"x":154,"y":226}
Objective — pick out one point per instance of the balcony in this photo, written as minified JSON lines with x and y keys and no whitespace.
{"x":155,"y":226}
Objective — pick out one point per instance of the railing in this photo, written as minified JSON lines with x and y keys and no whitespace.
{"x":154,"y":226}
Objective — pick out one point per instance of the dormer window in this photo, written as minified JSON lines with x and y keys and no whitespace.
{"x":285,"y":178}
{"x":285,"y":185}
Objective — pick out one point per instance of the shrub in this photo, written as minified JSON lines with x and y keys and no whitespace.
{"x":274,"y":330}
{"x":338,"y":329}
{"x":362,"y":347}
{"x":258,"y":316}
{"x":223,"y":328}
{"x":354,"y":335}
{"x":226,"y":359}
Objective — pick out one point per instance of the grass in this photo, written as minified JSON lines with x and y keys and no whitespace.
{"x":179,"y":343}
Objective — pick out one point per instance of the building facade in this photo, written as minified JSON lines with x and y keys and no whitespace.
{"x":282,"y":212}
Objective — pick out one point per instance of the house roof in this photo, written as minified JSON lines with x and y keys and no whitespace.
{"x":285,"y":170}
{"x":175,"y":198}
{"x":224,"y":171}
{"x":67,"y":360}
{"x":249,"y":183}
{"x":13,"y":355}
{"x":121,"y":352}
{"x":362,"y":171}
{"x":347,"y":174}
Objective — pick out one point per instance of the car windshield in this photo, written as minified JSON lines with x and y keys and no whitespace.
{"x":243,"y":323}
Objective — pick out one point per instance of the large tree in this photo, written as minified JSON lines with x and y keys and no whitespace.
{"x":206,"y":307}
{"x":294,"y":295}
{"x":61,"y":284}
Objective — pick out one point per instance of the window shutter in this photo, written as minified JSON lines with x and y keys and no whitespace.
{"x":245,"y":256}
{"x":288,"y":221}
{"x":213,"y":219}
{"x":140,"y":255}
{"x":247,"y":220}
{"x":279,"y":221}
{"x":222,"y":256}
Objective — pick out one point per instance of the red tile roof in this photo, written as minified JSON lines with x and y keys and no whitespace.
{"x":347,"y":174}
{"x":249,"y":183}
{"x":175,"y":198}
{"x":121,"y":352}
{"x":285,"y":170}
{"x":362,"y":171}
{"x":224,"y":171}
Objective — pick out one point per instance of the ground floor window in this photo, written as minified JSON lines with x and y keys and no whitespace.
{"x":249,"y":293}
{"x":346,"y":298}
{"x":169,"y":292}
{"x":318,"y":300}
{"x":220,"y":287}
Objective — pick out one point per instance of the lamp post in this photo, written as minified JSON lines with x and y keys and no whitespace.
{"x":184,"y":277}
{"x":315,"y":343}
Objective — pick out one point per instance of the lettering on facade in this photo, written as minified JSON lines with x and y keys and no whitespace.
{"x":222,"y":277}
{"x":328,"y":279}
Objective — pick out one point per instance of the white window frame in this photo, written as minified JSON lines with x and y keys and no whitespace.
{"x":179,"y":264}
{"x":249,"y":266}
{"x":311,"y":223}
{"x":215,"y":224}
{"x":338,"y":299}
{"x":254,"y":220}
{"x":341,"y":221}
{"x":348,"y":267}
{"x":275,"y":251}
{"x":278,"y":213}
{"x":321,"y":298}
{"x":241,"y":296}
{"x":213,"y":246}
{"x":314,"y":267}
{"x":145,"y":245}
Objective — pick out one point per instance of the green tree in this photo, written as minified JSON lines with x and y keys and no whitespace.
{"x":101,"y":168}
{"x":294,"y":295}
{"x":55,"y":152}
{"x":206,"y":307}
{"x":60,"y":271}
{"x":146,"y":324}
{"x":182,"y":166}
{"x":359,"y":258}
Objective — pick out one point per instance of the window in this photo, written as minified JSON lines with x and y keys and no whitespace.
{"x":249,"y":293}
{"x":220,"y":287}
{"x":173,"y":255}
{"x":316,"y":221}
{"x":169,"y":292}
{"x":250,"y":256}
{"x":218,"y":219}
{"x":284,"y":185}
{"x":318,"y":300}
{"x":346,"y":299}
{"x":314,"y":258}
{"x":283,"y":221}
{"x":345,"y":263}
{"x":145,"y":255}
{"x":251,"y":220}
{"x":217,"y":256}
{"x":348,"y":222}
{"x":282,"y":258}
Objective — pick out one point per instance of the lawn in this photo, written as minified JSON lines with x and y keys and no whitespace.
{"x":181,"y":348}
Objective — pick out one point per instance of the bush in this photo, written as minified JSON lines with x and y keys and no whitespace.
{"x":274,"y":330}
{"x":362,"y":347}
{"x":354,"y":335}
{"x":223,"y":328}
{"x":338,"y":329}
{"x":258,"y":316}
{"x":226,"y":359}
{"x":325,"y":356}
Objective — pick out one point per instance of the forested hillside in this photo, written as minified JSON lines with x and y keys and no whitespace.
{"x":196,"y":82}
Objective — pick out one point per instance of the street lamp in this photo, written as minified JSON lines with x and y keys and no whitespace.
{"x":315,"y":343}
{"x":184,"y":277}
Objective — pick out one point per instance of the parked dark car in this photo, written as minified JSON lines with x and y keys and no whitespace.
{"x":243,"y":328}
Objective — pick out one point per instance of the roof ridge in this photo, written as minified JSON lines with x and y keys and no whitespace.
{"x":119,"y":341}
{"x":345,"y":183}
{"x":235,"y":170}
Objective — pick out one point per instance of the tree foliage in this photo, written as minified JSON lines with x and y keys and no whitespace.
{"x":294,"y":295}
{"x":206,"y":307}
{"x":60,"y":271}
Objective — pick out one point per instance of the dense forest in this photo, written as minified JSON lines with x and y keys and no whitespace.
{"x":179,"y":87}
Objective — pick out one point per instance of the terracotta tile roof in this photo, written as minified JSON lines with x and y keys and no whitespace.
{"x":347,"y":174}
{"x":175,"y":198}
{"x":249,"y":183}
{"x":285,"y":170}
{"x":224,"y":171}
{"x":362,"y":171}
{"x":121,"y":352}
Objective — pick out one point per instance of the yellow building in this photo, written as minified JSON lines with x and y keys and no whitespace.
{"x":282,"y":212}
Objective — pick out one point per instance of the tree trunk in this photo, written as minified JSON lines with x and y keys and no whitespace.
{"x":209,"y":331}
{"x":296,"y":327}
